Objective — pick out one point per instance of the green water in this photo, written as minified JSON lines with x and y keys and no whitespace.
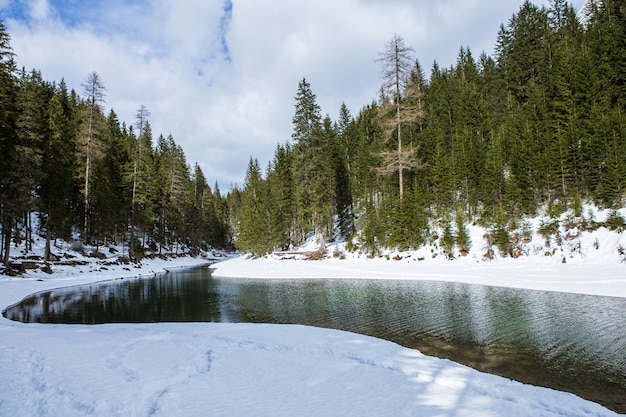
{"x":570,"y":342}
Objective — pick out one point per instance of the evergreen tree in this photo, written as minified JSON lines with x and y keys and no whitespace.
{"x":94,"y":91}
{"x":8,"y":139}
{"x":142,"y":169}
{"x":171,"y":202}
{"x":280,"y":194}
{"x":607,"y":37}
{"x":110,"y":200}
{"x":57,"y":187}
{"x":251,"y":233}
{"x":522,"y":52}
{"x":31,"y":125}
{"x":312,"y":156}
{"x":344,"y":151}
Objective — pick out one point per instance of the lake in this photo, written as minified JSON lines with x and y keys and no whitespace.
{"x":570,"y":342}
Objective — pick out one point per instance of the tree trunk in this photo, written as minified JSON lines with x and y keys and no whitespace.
{"x":47,"y":251}
{"x":7,"y":228}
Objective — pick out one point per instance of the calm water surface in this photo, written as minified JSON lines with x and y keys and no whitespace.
{"x":570,"y":342}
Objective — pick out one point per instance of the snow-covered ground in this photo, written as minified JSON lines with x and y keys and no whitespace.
{"x":198,"y":369}
{"x":587,"y":262}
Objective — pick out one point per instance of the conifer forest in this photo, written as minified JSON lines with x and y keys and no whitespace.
{"x":538,"y":125}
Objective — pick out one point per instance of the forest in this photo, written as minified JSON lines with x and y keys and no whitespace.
{"x":491,"y":140}
{"x":86,"y":177}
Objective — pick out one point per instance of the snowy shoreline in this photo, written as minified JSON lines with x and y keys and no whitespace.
{"x":597,"y":277}
{"x":251,"y":369}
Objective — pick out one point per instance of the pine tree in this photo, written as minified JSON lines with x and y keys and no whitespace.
{"x":344,"y":152}
{"x":523,"y":52}
{"x":31,"y":127}
{"x":94,"y":91}
{"x":8,"y":138}
{"x":141,"y":169}
{"x":438,"y":139}
{"x":169,"y":202}
{"x":110,"y":200}
{"x":58,"y":164}
{"x":607,"y":36}
{"x":280,"y":193}
{"x":311,"y":161}
{"x":251,"y":233}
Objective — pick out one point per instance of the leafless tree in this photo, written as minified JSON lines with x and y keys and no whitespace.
{"x":94,"y":91}
{"x":397,"y":64}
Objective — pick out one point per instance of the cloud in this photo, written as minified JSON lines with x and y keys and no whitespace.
{"x":221,"y":75}
{"x":39,"y":9}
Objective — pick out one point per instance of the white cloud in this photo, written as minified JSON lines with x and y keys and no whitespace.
{"x":169,"y":56}
{"x":39,"y":9}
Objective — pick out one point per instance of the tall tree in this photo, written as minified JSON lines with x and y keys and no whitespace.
{"x":252,"y":233}
{"x":139,"y":157}
{"x":345,"y":153}
{"x":8,"y":137}
{"x":397,"y":64}
{"x":94,"y":91}
{"x":310,"y":161}
{"x":58,"y":165}
{"x":110,"y":198}
{"x":31,"y":126}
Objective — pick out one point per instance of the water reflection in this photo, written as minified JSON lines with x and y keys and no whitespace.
{"x":570,"y":342}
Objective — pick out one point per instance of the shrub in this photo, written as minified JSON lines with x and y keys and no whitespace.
{"x":549,"y":228}
{"x":447,"y":240}
{"x":615,"y":222}
{"x":501,"y":238}
{"x":463,"y":241}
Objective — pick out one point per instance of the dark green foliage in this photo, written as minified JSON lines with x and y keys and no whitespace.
{"x":252,"y":233}
{"x":550,"y":230}
{"x":82,"y":171}
{"x":447,"y":239}
{"x":501,"y":238}
{"x":57,"y":189}
{"x":615,"y":222}
{"x":538,"y":126}
{"x":463,"y":240}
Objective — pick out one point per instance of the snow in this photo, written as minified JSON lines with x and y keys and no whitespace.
{"x":587,"y":262}
{"x":192,"y":369}
{"x":592,"y":277}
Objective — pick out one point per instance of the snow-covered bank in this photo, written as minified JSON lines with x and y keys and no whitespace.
{"x":567,"y":258}
{"x":200,"y":369}
{"x":541,"y":273}
{"x":213,"y":369}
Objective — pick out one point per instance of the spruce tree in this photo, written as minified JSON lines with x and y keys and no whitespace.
{"x":8,"y":138}
{"x":58,"y":163}
{"x":251,"y":233}
{"x":110,"y":200}
{"x":31,"y":128}
{"x":312,"y":170}
{"x":345,"y":155}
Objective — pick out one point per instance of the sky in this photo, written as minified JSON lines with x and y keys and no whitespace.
{"x":220,"y":76}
